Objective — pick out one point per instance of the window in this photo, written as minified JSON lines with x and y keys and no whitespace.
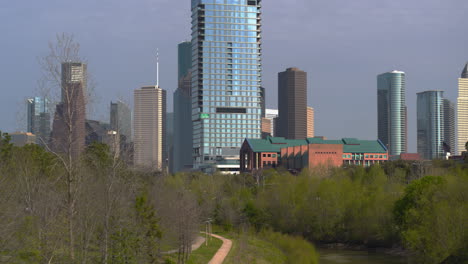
{"x":385,"y":156}
{"x":269,"y":155}
{"x":274,"y":155}
{"x":264,"y":155}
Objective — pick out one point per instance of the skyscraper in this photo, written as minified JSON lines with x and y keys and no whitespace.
{"x":272,"y":114}
{"x":292,"y":104}
{"x":150,"y":127}
{"x":391,"y":111}
{"x":462,"y":111}
{"x":182,"y":158}
{"x":449,"y":126}
{"x":68,"y":133}
{"x":310,"y":122}
{"x":430,"y":123}
{"x":121,"y":119}
{"x":39,"y":119}
{"x":170,"y":141}
{"x":226,"y":80}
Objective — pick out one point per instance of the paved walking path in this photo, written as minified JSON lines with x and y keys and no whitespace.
{"x":223,"y":251}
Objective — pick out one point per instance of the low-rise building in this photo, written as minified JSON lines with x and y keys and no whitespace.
{"x":311,"y":152}
{"x":21,"y":139}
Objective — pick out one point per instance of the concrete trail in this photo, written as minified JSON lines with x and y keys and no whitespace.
{"x":222,"y":252}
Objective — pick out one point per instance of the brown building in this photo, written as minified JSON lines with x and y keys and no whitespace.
{"x":292,"y":104}
{"x":68,"y":133}
{"x":266,"y":127}
{"x":297,"y":154}
{"x":310,"y":122}
{"x":149,"y":122}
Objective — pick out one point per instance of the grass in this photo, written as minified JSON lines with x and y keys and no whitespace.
{"x":205,"y":253}
{"x":202,"y":255}
{"x":248,"y":248}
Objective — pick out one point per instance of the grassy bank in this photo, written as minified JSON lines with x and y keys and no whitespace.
{"x":202,"y":255}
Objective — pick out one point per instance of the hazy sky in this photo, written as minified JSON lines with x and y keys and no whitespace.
{"x":342,"y":44}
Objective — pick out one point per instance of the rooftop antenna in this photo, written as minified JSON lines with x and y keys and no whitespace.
{"x":157,"y":68}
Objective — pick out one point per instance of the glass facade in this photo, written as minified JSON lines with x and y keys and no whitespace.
{"x":392,"y":113}
{"x":39,"y":119}
{"x":226,"y":78}
{"x":430,"y":124}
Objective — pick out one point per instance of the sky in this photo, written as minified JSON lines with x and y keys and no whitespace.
{"x":342,"y":45}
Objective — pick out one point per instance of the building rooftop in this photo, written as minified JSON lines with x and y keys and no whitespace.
{"x":350,"y":145}
{"x":465,"y":71}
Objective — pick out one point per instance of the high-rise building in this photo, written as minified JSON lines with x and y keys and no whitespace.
{"x":68,"y":133}
{"x":449,"y":126}
{"x":121,"y":119}
{"x":462,"y":111}
{"x":391,"y":111}
{"x":272,"y":114}
{"x":310,"y":122}
{"x":182,"y":158}
{"x":267,"y":124}
{"x":292,"y":104}
{"x":226,"y":80}
{"x":430,"y":124}
{"x":149,"y":124}
{"x":170,"y":141}
{"x":39,"y":119}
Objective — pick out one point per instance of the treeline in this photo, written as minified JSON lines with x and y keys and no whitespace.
{"x":100,"y":211}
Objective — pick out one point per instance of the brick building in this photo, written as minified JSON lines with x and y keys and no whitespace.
{"x":308,"y":153}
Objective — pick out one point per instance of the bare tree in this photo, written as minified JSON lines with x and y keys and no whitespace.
{"x":65,"y":71}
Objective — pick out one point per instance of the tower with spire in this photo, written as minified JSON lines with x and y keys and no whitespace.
{"x":462,"y":111}
{"x":149,"y":122}
{"x":464,"y":74}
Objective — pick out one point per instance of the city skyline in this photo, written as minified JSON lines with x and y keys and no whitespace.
{"x":440,"y":72}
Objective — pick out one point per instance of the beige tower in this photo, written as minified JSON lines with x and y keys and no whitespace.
{"x":310,"y":122}
{"x":149,"y":123}
{"x":462,"y":111}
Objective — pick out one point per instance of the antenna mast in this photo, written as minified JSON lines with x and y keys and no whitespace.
{"x":157,"y":67}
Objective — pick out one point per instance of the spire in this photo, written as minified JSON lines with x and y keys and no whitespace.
{"x":157,"y":68}
{"x":465,"y":71}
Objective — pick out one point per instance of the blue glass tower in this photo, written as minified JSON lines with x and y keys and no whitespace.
{"x":226,"y":80}
{"x":39,"y":119}
{"x":391,"y":111}
{"x":430,"y":124}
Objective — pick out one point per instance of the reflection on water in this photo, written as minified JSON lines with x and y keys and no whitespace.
{"x":330,"y":256}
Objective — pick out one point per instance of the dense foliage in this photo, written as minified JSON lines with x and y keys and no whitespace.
{"x":120,"y":215}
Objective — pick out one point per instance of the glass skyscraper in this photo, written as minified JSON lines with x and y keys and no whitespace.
{"x":226,"y":80}
{"x":39,"y":119}
{"x":391,"y":111}
{"x":430,"y":123}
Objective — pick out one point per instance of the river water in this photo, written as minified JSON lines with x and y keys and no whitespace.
{"x":331,"y":256}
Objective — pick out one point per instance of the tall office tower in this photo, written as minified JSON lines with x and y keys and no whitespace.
{"x":226,"y":80}
{"x":391,"y":111}
{"x":149,"y":124}
{"x":449,"y":126}
{"x":310,"y":122}
{"x":462,"y":111}
{"x":69,"y":132}
{"x":292,"y":104}
{"x":267,"y":124}
{"x":182,"y":158}
{"x":430,"y":124}
{"x":121,"y":120}
{"x":272,"y":114}
{"x":170,"y":141}
{"x":39,"y":119}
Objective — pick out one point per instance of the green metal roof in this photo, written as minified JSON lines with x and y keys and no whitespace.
{"x":350,"y":145}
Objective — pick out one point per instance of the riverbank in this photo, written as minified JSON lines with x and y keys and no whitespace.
{"x":394,"y":251}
